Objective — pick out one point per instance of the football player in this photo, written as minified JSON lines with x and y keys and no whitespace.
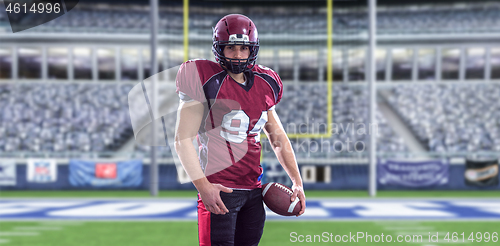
{"x":226,"y":105}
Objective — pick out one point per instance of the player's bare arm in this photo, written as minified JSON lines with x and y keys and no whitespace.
{"x":189,"y":120}
{"x":285,"y":154}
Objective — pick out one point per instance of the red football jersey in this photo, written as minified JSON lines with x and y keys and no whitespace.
{"x":234,"y":115}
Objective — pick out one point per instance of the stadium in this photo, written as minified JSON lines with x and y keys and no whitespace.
{"x":391,"y":107}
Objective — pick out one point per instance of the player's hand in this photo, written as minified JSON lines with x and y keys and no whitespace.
{"x":210,"y":196}
{"x":298,"y":191}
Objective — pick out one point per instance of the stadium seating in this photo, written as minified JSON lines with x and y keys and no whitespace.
{"x":57,"y":118}
{"x":470,"y":18}
{"x":451,"y":118}
{"x":88,"y":117}
{"x":63,"y":117}
{"x":303,"y":110}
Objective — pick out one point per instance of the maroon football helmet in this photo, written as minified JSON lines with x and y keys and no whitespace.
{"x":235,"y":29}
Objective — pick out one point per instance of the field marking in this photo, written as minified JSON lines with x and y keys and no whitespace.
{"x":42,"y":227}
{"x":443,"y":241}
{"x":22,"y":207}
{"x":397,"y":222}
{"x":417,"y":233}
{"x":121,"y":209}
{"x":61,"y":223}
{"x":413,"y":229}
{"x":489,"y":207}
{"x":494,"y":220}
{"x":391,"y":209}
{"x":421,"y":228}
{"x":18,"y":233}
{"x":185,"y":209}
{"x":34,"y":228}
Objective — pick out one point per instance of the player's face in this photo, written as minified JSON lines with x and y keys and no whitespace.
{"x":237,"y":51}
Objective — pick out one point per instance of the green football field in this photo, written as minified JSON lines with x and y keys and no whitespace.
{"x":87,"y":233}
{"x":275,"y":233}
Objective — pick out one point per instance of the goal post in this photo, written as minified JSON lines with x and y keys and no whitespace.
{"x":329,"y":78}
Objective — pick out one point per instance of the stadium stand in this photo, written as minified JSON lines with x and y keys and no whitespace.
{"x":63,"y":117}
{"x":90,"y":117}
{"x":350,"y":114}
{"x":471,"y":17}
{"x":451,"y":118}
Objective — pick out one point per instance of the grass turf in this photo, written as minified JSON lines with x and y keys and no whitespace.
{"x":275,"y":232}
{"x":192,"y":194}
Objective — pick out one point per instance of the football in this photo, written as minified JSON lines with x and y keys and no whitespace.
{"x":277,"y":198}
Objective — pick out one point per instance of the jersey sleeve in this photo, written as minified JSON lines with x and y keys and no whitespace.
{"x":280,"y":85}
{"x":188,"y":83}
{"x":278,"y":91}
{"x":274,"y":82}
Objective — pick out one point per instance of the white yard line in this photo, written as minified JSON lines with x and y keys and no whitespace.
{"x":60,"y":223}
{"x":34,"y":228}
{"x":410,"y":228}
{"x":397,"y":223}
{"x":31,"y":231}
{"x":423,"y":233}
{"x":18,"y":233}
{"x":443,"y":241}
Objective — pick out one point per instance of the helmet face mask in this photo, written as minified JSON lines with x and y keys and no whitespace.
{"x":235,"y":29}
